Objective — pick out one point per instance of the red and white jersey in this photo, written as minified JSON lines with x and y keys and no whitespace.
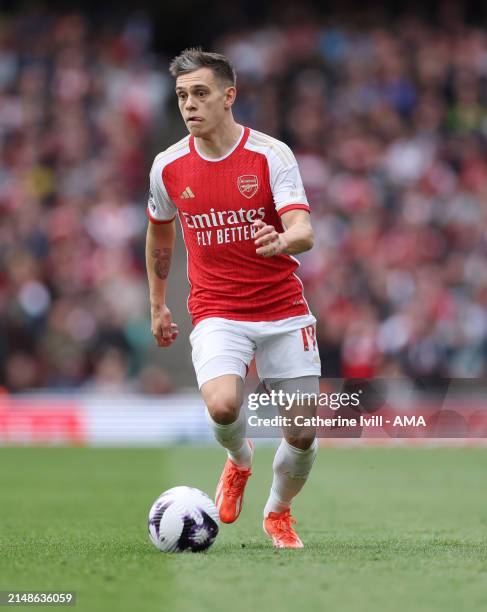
{"x":217,"y":201}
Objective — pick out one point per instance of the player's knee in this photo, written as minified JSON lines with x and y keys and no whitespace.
{"x":223,"y":408}
{"x":303,"y":442}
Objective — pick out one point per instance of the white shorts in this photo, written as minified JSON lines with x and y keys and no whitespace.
{"x":283,"y":349}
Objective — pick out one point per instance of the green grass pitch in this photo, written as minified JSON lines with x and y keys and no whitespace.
{"x":384,"y":529}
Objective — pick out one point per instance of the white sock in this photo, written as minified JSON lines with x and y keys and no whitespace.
{"x":291,"y":470}
{"x":232,"y":437}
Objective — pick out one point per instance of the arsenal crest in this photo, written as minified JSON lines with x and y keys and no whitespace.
{"x":248,"y":185}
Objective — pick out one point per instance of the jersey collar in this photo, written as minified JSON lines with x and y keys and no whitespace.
{"x":240,"y":142}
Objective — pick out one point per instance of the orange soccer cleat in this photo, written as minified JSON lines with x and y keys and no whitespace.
{"x":279,"y":526}
{"x":230,"y":490}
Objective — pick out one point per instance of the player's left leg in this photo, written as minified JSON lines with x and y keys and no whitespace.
{"x":287,"y":359}
{"x":292,"y":463}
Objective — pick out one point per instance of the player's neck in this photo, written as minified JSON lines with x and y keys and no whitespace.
{"x":219,"y":143}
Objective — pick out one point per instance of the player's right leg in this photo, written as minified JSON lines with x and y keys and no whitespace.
{"x":221,"y":354}
{"x":223,"y":397}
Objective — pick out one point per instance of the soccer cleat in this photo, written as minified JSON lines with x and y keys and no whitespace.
{"x":230,"y":490}
{"x":279,"y":526}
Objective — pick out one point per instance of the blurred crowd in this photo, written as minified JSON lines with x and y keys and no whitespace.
{"x":389,"y":125}
{"x":78,"y":106}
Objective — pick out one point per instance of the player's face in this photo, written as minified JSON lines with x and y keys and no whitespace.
{"x":203,"y":101}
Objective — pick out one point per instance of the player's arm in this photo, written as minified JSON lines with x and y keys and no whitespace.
{"x":297,"y":237}
{"x":159,"y":247}
{"x":291,"y":205}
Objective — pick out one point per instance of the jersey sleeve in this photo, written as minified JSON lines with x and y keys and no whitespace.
{"x":286,"y":184}
{"x":160,"y":207}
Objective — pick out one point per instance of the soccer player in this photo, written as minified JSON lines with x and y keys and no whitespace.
{"x":244,"y":214}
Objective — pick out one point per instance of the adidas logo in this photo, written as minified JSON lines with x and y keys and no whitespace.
{"x":187,"y":193}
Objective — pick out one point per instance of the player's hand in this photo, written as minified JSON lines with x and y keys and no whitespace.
{"x":163,"y":329}
{"x":267,"y":240}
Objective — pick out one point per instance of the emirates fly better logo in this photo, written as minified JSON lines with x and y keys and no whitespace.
{"x":248,"y":185}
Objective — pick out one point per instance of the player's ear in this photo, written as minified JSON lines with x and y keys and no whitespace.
{"x":230,"y":95}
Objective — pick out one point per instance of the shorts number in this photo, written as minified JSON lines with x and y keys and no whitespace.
{"x":309,"y":337}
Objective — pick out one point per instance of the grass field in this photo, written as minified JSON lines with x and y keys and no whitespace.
{"x":384,"y":529}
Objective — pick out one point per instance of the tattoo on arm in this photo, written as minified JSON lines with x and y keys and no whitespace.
{"x":162,"y":262}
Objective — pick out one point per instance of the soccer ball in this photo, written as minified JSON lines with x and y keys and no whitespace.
{"x":183,"y":519}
